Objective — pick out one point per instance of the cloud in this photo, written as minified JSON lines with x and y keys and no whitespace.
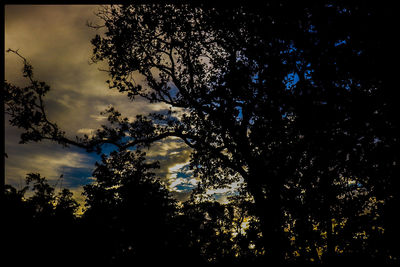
{"x":50,"y":160}
{"x":168,"y":147}
{"x":56,"y":41}
{"x":183,"y":184}
{"x":174,"y":158}
{"x":50,"y":166}
{"x":98,"y":117}
{"x":80,"y":198}
{"x":88,"y":131}
{"x":222,"y":194}
{"x":46,"y":158}
{"x":171,"y":153}
{"x":60,"y":55}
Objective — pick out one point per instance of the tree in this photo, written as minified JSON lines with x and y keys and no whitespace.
{"x":132,"y":210}
{"x":294,"y":98}
{"x":40,"y":227}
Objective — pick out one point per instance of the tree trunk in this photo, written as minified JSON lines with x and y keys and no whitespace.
{"x":268,"y":209}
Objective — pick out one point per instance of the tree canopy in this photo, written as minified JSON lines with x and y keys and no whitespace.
{"x":296,"y":99}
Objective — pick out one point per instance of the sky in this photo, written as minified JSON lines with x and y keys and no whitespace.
{"x":55,"y":39}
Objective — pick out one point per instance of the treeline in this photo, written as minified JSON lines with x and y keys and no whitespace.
{"x":130,"y":217}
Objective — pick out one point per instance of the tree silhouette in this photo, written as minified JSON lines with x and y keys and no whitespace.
{"x":131,"y":208}
{"x":295,"y":98}
{"x":39,"y":228}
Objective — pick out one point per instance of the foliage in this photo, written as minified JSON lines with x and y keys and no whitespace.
{"x":295,"y":98}
{"x":40,"y":227}
{"x":130,"y":207}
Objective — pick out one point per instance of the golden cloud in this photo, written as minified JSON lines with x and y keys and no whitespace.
{"x":56,"y":41}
